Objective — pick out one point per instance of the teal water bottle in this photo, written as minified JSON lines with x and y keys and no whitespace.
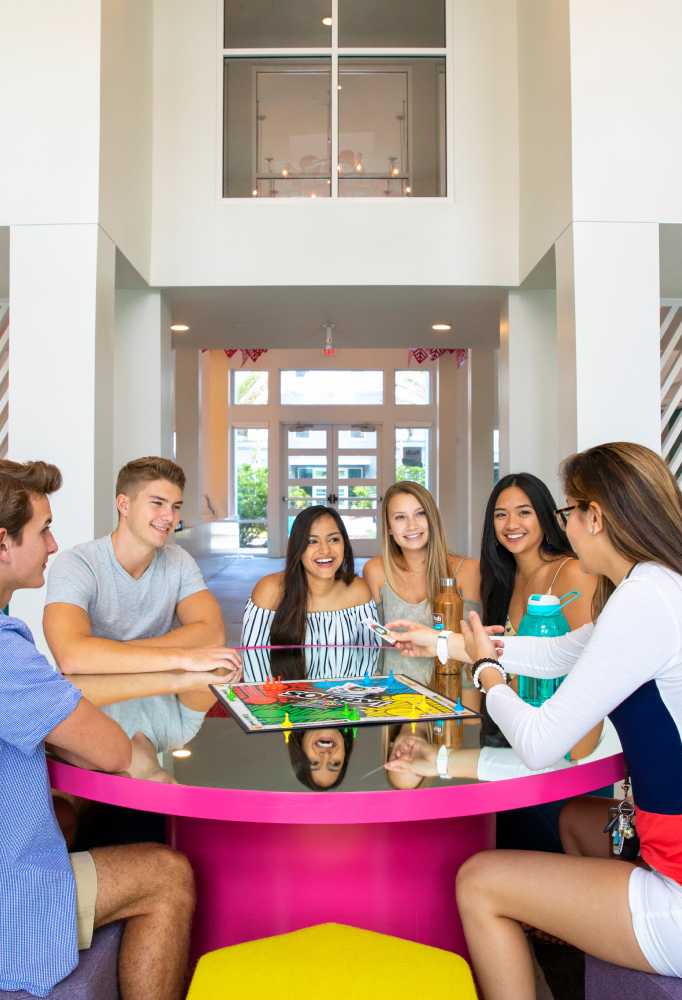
{"x":544,"y":618}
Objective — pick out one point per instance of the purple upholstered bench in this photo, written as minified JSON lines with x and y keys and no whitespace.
{"x":604,"y":981}
{"x":96,"y":977}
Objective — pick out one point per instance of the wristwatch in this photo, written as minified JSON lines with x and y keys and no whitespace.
{"x":442,"y":645}
{"x":442,"y":762}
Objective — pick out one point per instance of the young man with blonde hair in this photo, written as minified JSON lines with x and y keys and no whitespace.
{"x":51,"y":901}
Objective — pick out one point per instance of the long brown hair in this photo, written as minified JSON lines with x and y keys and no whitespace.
{"x":640,"y":501}
{"x":288,"y":625}
{"x":437,"y":546}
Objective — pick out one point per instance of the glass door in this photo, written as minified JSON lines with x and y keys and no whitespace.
{"x":334,"y":465}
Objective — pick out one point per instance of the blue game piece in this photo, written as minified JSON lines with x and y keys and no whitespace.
{"x":459,"y":707}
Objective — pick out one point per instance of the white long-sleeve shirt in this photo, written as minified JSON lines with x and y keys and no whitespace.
{"x":628,"y":667}
{"x":637,"y":639}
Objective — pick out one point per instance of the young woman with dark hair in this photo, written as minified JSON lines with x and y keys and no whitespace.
{"x":524,"y":552}
{"x":623,"y":517}
{"x":320,"y":757}
{"x":317,"y":601}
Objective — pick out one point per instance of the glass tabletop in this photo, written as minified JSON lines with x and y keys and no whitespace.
{"x":185,"y":735}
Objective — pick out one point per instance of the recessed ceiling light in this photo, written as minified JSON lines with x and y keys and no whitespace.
{"x":327,"y":22}
{"x":182,"y":752}
{"x":179,"y":327}
{"x":441,"y":327}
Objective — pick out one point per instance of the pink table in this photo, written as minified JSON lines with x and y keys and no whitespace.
{"x":268,"y":862}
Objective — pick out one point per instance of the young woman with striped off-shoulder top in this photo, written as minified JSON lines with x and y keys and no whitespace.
{"x":316,"y":601}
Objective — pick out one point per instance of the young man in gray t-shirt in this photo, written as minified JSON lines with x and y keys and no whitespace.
{"x":131,"y":604}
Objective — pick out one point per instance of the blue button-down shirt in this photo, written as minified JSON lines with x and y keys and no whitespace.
{"x":38,"y":942}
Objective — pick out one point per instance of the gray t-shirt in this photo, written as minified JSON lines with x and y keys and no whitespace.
{"x":122,"y":608}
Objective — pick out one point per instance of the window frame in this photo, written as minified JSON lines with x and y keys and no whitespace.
{"x":336,"y":52}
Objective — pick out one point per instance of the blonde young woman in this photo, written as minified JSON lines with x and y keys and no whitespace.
{"x":405,"y":579}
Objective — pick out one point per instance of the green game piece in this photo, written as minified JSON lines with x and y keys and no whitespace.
{"x":347,"y":711}
{"x":355,"y":732}
{"x":355,"y":714}
{"x":231,"y":696}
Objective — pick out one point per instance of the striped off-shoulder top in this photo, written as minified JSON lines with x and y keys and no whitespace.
{"x":339,"y":629}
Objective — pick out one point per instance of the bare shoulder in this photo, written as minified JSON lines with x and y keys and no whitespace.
{"x":373,"y":572}
{"x":269,"y":591}
{"x":468,"y":575}
{"x":572,"y":577}
{"x":358,"y":592}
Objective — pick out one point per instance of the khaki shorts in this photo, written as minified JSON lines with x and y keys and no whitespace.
{"x":85,"y":874}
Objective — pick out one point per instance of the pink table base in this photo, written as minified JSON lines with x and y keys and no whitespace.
{"x":270,"y":862}
{"x":255,"y":879}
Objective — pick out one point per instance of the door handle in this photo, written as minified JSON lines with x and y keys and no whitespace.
{"x":332,"y":498}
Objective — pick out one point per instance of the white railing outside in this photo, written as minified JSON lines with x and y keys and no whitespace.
{"x":671,"y":384}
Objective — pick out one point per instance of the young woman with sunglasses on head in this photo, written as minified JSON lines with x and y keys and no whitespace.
{"x":624,"y":522}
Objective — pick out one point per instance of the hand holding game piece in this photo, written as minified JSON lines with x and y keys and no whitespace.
{"x":378,"y":629}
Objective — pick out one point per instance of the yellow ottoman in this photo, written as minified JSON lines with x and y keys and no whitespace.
{"x":331,"y":961}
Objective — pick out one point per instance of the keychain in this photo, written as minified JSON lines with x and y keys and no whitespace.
{"x":624,"y":842}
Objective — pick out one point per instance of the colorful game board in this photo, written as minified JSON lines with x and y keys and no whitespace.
{"x":282,"y":706}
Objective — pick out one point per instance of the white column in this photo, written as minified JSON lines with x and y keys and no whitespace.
{"x":62,"y":308}
{"x":143,"y":376}
{"x":528,"y":386}
{"x":453,"y":449}
{"x":483,"y":423}
{"x":608,"y":302}
{"x":187,"y":427}
{"x":213,"y":451}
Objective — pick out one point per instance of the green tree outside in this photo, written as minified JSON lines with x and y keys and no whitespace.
{"x":252,"y":503}
{"x":414,"y":473}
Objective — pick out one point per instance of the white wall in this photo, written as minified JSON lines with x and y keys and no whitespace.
{"x":127,"y":127}
{"x":544,"y":127}
{"x":62,"y":374}
{"x":608,"y":307}
{"x":625,"y":95}
{"x":49,"y":111}
{"x":143,"y":377}
{"x":469,"y":238}
{"x":529,"y":376}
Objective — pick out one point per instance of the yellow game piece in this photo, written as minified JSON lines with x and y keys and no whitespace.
{"x":287,"y":721}
{"x":413,"y":727}
{"x":287,"y":734}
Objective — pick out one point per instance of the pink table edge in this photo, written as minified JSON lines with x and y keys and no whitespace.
{"x":445,"y":802}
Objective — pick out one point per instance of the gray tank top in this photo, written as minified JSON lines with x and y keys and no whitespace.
{"x":392,"y":608}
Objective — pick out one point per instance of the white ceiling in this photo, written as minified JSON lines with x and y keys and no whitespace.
{"x":367,"y":316}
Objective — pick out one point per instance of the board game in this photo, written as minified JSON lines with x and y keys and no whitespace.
{"x":283,"y":706}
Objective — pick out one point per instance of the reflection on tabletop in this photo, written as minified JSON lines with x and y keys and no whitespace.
{"x":183,"y":735}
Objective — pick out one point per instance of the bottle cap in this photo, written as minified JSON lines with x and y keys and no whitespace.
{"x":447,"y":581}
{"x":543,"y":604}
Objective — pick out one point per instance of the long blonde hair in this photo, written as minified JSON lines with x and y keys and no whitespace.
{"x":640,"y":501}
{"x":436,"y":549}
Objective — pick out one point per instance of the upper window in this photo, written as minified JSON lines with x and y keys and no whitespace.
{"x":331,"y":388}
{"x":285,"y":69}
{"x":249,"y":388}
{"x":413,"y":388}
